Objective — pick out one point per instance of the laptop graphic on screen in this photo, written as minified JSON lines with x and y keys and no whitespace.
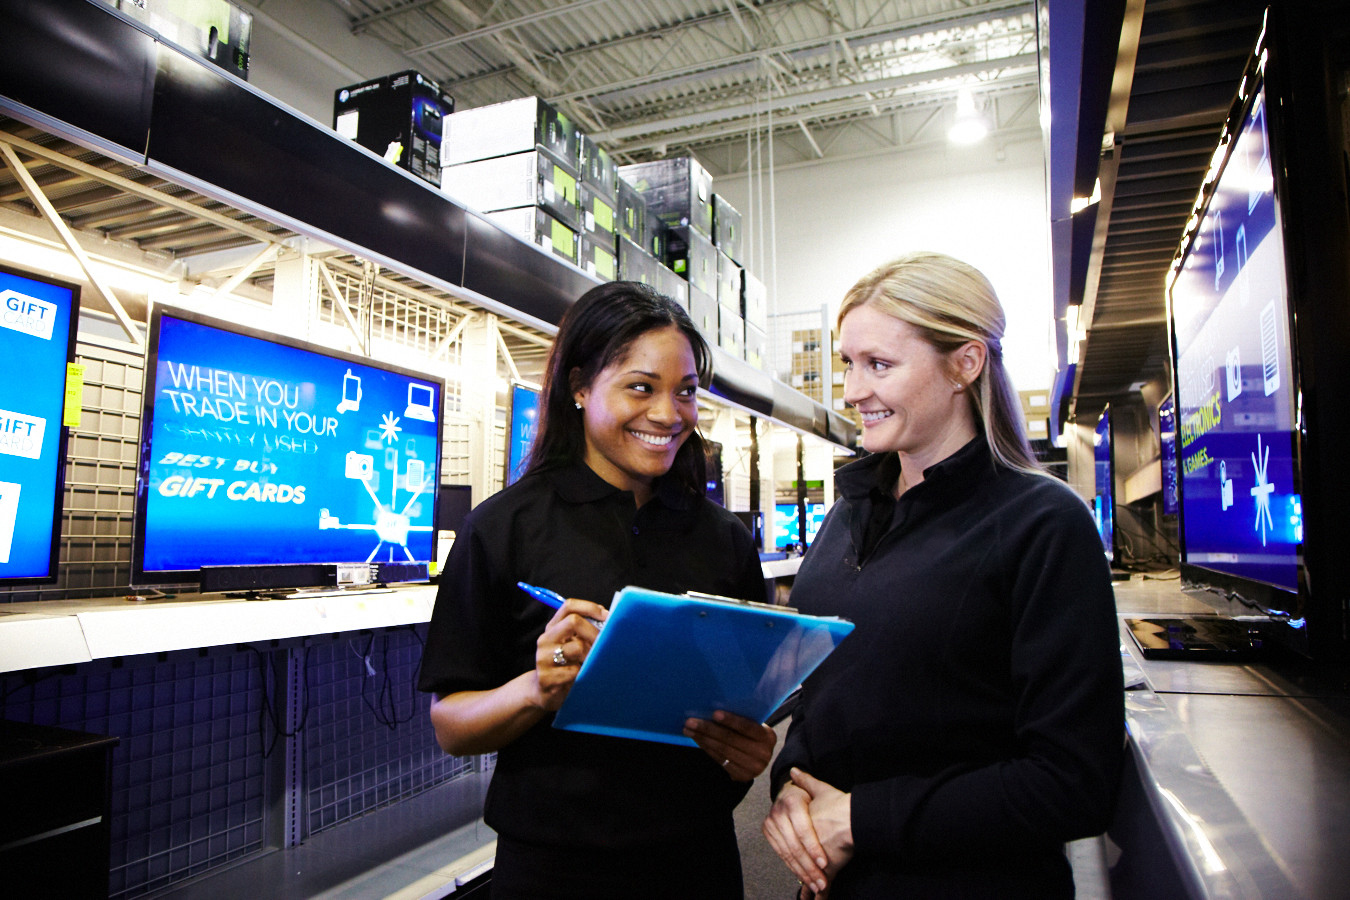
{"x":420,"y":400}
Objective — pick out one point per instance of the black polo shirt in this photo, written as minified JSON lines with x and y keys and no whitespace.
{"x":571,"y":531}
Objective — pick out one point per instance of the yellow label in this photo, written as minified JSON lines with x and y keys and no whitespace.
{"x":74,"y":395}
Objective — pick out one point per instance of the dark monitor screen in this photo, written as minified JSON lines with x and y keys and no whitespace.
{"x":1241,"y":510}
{"x":38,"y":319}
{"x":452,"y":506}
{"x":524,"y":425}
{"x":260,"y":450}
{"x":1103,"y":500}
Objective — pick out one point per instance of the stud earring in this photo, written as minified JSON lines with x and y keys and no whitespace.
{"x":578,"y":406}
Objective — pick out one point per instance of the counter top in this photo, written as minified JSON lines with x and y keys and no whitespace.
{"x":63,"y":632}
{"x":1246,"y":768}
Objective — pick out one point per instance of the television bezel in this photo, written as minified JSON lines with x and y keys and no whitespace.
{"x":63,"y":434}
{"x":1293,"y":58}
{"x":139,"y":575}
{"x":1163,"y":458}
{"x":1112,"y":553}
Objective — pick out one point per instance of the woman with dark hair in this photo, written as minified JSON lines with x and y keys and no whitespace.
{"x":613,"y":496}
{"x":973,"y":722}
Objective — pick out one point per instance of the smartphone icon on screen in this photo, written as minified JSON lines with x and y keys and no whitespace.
{"x":415,"y":476}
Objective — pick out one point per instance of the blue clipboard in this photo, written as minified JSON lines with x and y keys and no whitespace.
{"x":662,"y":658}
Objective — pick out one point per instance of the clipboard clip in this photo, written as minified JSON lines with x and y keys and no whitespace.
{"x":736,"y":601}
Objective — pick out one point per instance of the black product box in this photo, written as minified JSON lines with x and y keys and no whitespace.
{"x":598,"y":215}
{"x":754,"y":302}
{"x":678,"y":191}
{"x":538,"y":225}
{"x":728,"y":283}
{"x":632,"y":222}
{"x":756,"y":346}
{"x":730,"y":332}
{"x":598,"y":257}
{"x":399,"y":117}
{"x":636,"y":264}
{"x":598,"y":169}
{"x":703,"y":310}
{"x":534,"y":178}
{"x":692,"y":256}
{"x":219,"y":32}
{"x":727,"y":228}
{"x":513,"y":126}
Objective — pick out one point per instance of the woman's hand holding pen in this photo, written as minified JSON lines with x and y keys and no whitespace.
{"x":563,"y":647}
{"x":810,"y":828}
{"x":743,"y":747}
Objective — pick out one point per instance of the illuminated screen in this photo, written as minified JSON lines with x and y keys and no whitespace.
{"x":1103,"y":501}
{"x":1167,"y":445}
{"x":1240,"y":508}
{"x":785,"y":523}
{"x":524,"y":424}
{"x":36,"y":341}
{"x":261,"y":450}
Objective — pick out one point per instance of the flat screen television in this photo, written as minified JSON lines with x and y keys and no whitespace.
{"x":785,"y":528}
{"x":1167,"y":454}
{"x":524,"y":424}
{"x":262,"y":450}
{"x":1103,"y":484}
{"x":1257,"y":299}
{"x":38,"y":319}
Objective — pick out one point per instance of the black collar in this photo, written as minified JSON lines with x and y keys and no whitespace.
{"x":578,"y":483}
{"x":856,"y":479}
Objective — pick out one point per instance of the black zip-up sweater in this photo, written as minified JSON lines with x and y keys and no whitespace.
{"x":976,"y":713}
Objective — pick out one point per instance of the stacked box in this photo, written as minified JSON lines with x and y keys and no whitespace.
{"x":514,"y":126}
{"x":730,"y":332}
{"x":691,"y":255}
{"x":635,"y":264}
{"x":599,"y":218}
{"x":632,"y":222}
{"x":728,"y":283}
{"x":756,"y":346}
{"x":598,"y":257}
{"x":598,"y":170}
{"x":537,"y":225}
{"x":678,"y":192}
{"x":727,"y":228}
{"x":703,"y":310}
{"x":534,"y":178}
{"x":754,"y":302}
{"x":399,"y":117}
{"x":219,"y":32}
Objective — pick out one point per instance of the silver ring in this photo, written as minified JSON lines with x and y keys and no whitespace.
{"x":559,"y":658}
{"x":725,"y":763}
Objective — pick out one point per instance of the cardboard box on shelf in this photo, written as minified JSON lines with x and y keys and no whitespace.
{"x":690,"y":254}
{"x":533,"y":178}
{"x":512,"y":126}
{"x":598,"y":169}
{"x":399,"y":117}
{"x":534,"y":223}
{"x":727,"y":228}
{"x":678,"y":191}
{"x":598,"y":257}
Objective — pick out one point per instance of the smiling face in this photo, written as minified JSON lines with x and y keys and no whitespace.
{"x":911,"y":395}
{"x":639,"y":411}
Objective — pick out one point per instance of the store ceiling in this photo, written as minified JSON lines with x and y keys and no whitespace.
{"x":670,"y":77}
{"x":1177,"y":72}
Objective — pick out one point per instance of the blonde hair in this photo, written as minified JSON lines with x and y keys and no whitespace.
{"x":951,"y":302}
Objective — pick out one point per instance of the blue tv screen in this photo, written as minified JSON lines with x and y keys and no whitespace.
{"x":1103,"y":501}
{"x":38,"y":319}
{"x":257,"y":449}
{"x":785,"y":523}
{"x":524,"y":424}
{"x":1241,"y":510}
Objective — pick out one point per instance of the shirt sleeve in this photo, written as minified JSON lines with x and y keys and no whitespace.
{"x":1068,"y":727}
{"x":464,"y":649}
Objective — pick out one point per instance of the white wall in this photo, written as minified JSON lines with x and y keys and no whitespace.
{"x":835,"y":221}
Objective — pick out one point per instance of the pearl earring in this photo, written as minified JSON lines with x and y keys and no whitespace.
{"x":578,"y":406}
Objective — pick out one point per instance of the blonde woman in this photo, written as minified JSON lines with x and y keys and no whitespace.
{"x":973,"y":723}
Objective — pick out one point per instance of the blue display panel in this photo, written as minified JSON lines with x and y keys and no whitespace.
{"x":37,"y":340}
{"x":1167,"y":451}
{"x":1241,"y":512}
{"x":524,"y":425}
{"x":260,"y":450}
{"x":1103,"y":500}
{"x":785,"y":523}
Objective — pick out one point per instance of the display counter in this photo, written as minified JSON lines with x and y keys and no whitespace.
{"x":1238,"y":774}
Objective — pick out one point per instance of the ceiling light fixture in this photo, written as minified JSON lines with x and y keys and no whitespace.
{"x":969,"y":127}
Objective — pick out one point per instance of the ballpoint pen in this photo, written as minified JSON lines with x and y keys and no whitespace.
{"x":552,"y":599}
